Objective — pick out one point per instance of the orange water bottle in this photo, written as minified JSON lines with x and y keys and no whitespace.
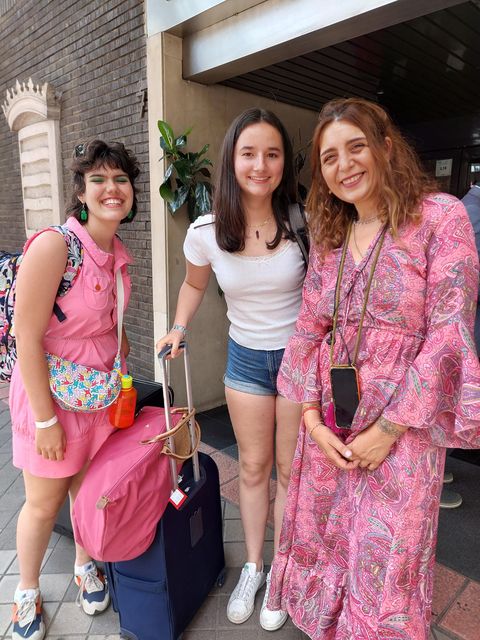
{"x":122,"y":411}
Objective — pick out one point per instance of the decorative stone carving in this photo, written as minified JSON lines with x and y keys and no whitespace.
{"x":33,"y":110}
{"x":28,"y":103}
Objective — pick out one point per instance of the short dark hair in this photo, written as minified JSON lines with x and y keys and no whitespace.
{"x":230,"y":224}
{"x":98,"y":153}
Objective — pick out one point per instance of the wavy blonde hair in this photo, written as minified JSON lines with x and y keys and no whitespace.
{"x":400,"y":183}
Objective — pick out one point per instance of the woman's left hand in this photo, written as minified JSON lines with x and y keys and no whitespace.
{"x":372,"y":445}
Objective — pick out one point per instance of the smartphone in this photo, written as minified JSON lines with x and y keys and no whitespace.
{"x":345,"y":394}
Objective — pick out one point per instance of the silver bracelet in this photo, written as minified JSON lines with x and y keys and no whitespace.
{"x":179,"y":327}
{"x":46,"y":423}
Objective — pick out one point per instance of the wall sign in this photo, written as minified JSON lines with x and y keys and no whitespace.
{"x":443,"y":167}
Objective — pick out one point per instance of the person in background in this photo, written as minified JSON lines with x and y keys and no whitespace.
{"x":471,"y":200}
{"x":52,"y":445}
{"x":452,"y":499}
{"x":388,"y":310}
{"x":248,"y":243}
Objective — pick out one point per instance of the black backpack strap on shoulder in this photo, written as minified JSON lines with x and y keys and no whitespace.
{"x":298,"y":225}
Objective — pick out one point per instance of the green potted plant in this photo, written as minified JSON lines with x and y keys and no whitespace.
{"x":187,"y":178}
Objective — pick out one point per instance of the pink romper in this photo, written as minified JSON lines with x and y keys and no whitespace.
{"x":87,"y":336}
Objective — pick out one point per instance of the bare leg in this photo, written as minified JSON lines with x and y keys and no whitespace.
{"x":288,"y":415}
{"x":81,"y":556}
{"x":44,"y":497}
{"x":253,"y":422}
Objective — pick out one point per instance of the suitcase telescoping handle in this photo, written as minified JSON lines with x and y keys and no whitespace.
{"x":162,"y":356}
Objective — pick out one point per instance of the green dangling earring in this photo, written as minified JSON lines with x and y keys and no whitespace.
{"x":130,"y":215}
{"x":84,"y":213}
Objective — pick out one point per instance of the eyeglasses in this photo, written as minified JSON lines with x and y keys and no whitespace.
{"x":79,"y":150}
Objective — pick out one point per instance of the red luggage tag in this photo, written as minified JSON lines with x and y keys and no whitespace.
{"x":177,"y":498}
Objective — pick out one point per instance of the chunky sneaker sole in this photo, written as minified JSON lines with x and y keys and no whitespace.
{"x":93,"y":595}
{"x":27,"y":620}
{"x":242,"y":601}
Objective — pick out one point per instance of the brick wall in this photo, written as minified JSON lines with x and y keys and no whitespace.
{"x":95,"y":54}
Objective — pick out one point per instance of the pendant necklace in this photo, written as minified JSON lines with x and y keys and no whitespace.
{"x":355,"y":223}
{"x":257,"y":226}
{"x":361,"y":253}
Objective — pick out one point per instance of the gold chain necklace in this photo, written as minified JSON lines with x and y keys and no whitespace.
{"x":257,"y":226}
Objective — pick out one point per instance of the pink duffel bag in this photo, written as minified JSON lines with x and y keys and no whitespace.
{"x":129,"y":482}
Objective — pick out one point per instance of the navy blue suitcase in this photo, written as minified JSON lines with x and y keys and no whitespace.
{"x":158,"y":593}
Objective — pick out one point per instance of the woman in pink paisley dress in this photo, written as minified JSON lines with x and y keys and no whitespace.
{"x":357,"y":547}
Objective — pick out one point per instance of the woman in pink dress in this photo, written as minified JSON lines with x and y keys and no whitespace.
{"x":388,"y":303}
{"x":52,"y":445}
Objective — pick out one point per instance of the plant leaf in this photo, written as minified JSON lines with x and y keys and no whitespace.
{"x":205,"y":172}
{"x":166,"y":191}
{"x":166,"y":132}
{"x":184,"y":170}
{"x":181,"y":141}
{"x":202,"y":198}
{"x":181,"y":196}
{"x":203,"y":163}
{"x":168,"y":172}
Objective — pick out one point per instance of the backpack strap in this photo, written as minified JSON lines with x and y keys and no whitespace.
{"x":72,"y":267}
{"x":298,"y":225}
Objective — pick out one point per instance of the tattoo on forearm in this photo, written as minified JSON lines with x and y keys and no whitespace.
{"x":388,"y":427}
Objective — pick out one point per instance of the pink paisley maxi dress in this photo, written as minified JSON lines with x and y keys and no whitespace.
{"x":357,"y":548}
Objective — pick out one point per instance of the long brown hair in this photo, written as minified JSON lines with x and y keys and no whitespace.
{"x":230,"y":224}
{"x":401,"y":183}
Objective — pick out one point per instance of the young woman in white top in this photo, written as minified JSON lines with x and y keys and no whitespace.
{"x":247,"y":242}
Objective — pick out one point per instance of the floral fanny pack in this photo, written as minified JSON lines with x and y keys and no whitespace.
{"x":75,"y":387}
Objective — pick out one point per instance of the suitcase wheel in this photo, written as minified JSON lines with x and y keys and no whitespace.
{"x":221,"y":578}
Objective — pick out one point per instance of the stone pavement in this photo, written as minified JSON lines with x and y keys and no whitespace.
{"x":456,"y":601}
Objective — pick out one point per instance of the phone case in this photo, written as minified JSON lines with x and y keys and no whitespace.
{"x":345,"y":394}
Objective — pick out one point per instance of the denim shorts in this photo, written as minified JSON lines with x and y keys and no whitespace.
{"x":251,"y":370}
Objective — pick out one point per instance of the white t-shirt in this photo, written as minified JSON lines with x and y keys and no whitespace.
{"x":263,"y":294}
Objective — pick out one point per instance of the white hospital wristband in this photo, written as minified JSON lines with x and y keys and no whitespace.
{"x":46,"y":423}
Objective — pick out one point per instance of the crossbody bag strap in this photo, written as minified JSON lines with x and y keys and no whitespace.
{"x":366,"y":294}
{"x":120,"y":305}
{"x":337,"y":293}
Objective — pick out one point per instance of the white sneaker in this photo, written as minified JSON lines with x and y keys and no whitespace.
{"x":271,"y":620}
{"x":242,"y":601}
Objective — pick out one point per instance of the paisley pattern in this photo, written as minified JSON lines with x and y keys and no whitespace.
{"x":357,"y":549}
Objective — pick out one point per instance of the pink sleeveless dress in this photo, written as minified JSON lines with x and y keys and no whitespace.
{"x":87,"y":336}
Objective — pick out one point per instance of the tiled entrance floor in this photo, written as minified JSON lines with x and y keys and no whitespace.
{"x":456,"y":599}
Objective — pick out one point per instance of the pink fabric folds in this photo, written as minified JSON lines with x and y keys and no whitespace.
{"x":125,"y":491}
